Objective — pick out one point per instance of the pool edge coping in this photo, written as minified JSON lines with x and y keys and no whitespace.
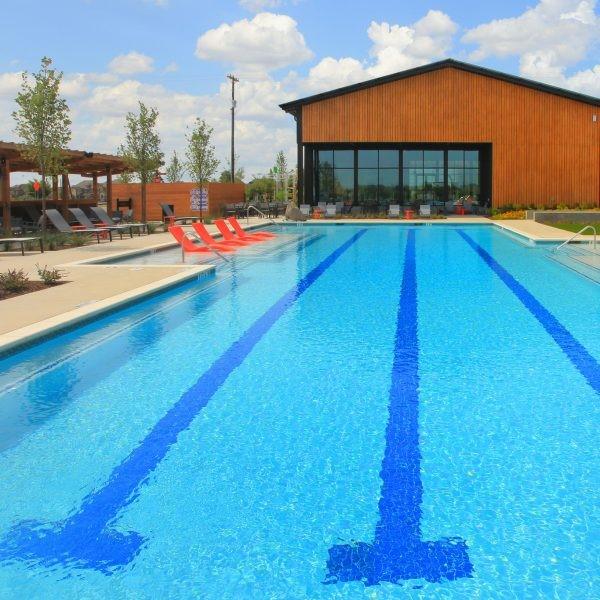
{"x":13,"y":340}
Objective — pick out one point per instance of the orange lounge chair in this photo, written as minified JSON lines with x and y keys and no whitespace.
{"x":184,"y":241}
{"x":259,"y":235}
{"x":209,"y":240}
{"x":229,"y":237}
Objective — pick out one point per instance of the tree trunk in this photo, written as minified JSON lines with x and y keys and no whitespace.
{"x":43,"y":174}
{"x":143,"y":201}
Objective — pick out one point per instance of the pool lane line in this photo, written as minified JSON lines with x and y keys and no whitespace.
{"x":397,"y":552}
{"x":85,"y":539}
{"x":581,"y":359}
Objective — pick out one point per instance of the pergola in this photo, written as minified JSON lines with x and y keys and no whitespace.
{"x":77,"y":162}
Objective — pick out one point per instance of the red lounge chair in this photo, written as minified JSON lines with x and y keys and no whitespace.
{"x":184,"y":241}
{"x":229,"y":237}
{"x":209,"y":240}
{"x":258,"y":235}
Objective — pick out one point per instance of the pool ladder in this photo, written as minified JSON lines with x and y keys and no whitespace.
{"x":580,"y":232}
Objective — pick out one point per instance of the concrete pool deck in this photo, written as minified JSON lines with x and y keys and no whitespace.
{"x":96,"y":288}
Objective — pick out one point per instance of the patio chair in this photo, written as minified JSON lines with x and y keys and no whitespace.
{"x":330,"y":211}
{"x":256,"y":235}
{"x":210,"y":241}
{"x":338,"y":207}
{"x":85,"y":222}
{"x":449,"y":206}
{"x":33,"y":215}
{"x":425,"y":210}
{"x":184,"y":239}
{"x":228,"y":235}
{"x":321,"y":206}
{"x":394,"y":211}
{"x":104,"y":217}
{"x":60,"y":224}
{"x":169,"y":215}
{"x":305,"y":209}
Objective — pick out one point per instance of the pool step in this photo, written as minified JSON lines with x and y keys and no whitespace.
{"x":581,"y":258}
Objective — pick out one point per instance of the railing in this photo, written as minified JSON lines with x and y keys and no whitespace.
{"x":260,"y":212}
{"x":578,"y":234}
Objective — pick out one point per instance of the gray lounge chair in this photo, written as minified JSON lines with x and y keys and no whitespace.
{"x":305,"y":209}
{"x":169,"y":215}
{"x":59,"y":223}
{"x":104,"y":217}
{"x":84,"y":221}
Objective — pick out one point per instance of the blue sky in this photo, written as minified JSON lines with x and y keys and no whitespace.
{"x":174,"y":54}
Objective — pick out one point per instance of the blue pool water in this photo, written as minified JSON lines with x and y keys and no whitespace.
{"x":369,"y":412}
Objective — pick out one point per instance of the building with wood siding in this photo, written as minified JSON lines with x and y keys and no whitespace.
{"x":446,"y":130}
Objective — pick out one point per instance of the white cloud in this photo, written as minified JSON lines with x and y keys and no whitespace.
{"x":259,"y":5}
{"x":131,"y":63}
{"x":263,"y":43}
{"x":171,"y":67}
{"x":548,"y":39}
{"x":394,"y":48}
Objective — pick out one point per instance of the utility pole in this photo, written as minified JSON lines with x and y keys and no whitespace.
{"x":234,"y":80}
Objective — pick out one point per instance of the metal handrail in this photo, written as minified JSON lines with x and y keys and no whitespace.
{"x":577,"y":234}
{"x":260,"y":212}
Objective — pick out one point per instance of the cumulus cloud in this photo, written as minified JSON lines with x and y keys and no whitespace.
{"x":131,"y":63}
{"x":394,"y":48}
{"x":548,"y":39}
{"x":266,"y":42}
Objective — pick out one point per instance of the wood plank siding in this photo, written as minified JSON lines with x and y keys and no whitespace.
{"x":545,"y":147}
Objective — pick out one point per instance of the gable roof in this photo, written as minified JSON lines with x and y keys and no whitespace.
{"x":292,"y":107}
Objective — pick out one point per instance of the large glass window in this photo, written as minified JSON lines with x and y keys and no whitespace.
{"x":423,"y":176}
{"x":463,"y":174}
{"x":335,"y":170}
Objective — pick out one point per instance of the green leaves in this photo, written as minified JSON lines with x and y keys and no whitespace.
{"x":201,"y":162}
{"x":141,"y":149}
{"x":42,"y":119}
{"x":175,"y":169}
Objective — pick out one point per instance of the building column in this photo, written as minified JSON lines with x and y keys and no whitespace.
{"x":109,"y":198}
{"x":95,"y":187}
{"x":5,"y":189}
{"x":300,"y":158}
{"x":64,"y":209}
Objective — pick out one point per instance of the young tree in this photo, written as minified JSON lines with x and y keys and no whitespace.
{"x":125,"y":177}
{"x":200,"y":154}
{"x":141,"y":150}
{"x":225,"y":176}
{"x":42,"y":122}
{"x":175,"y":169}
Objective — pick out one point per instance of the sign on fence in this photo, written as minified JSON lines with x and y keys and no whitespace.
{"x":199,"y":199}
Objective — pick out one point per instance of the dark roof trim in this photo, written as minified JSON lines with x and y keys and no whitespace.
{"x":292,"y":107}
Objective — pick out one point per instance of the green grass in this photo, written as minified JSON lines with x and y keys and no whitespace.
{"x":574,"y":227}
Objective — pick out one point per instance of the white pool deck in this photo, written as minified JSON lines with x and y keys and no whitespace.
{"x":93,"y":289}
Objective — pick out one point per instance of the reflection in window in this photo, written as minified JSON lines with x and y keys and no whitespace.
{"x":463,"y":174}
{"x":367,"y":186}
{"x":423,"y":176}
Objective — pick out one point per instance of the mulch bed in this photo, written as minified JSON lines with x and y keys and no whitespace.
{"x":32,"y":286}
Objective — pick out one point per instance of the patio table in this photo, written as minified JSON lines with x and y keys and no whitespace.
{"x":22,"y":240}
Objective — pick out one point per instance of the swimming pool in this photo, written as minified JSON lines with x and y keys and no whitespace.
{"x":371,"y":412}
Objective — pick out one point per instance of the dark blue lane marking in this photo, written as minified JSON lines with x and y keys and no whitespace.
{"x":397,"y":552}
{"x":85,"y":539}
{"x":582,"y":360}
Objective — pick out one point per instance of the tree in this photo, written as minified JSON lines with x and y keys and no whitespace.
{"x":281,"y":165}
{"x":225,"y":176}
{"x":201,"y":162}
{"x":261,"y":187}
{"x":42,"y":122}
{"x":175,"y":169}
{"x":141,"y":150}
{"x":280,"y":175}
{"x":125,"y":177}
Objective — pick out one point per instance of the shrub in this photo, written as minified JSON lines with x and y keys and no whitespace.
{"x":76,"y":239}
{"x":14,"y":280}
{"x":153,"y":226}
{"x":510,"y":214}
{"x":50,"y":276}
